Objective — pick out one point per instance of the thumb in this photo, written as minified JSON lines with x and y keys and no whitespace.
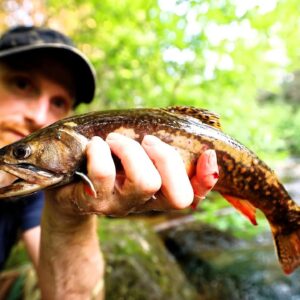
{"x":207,"y":174}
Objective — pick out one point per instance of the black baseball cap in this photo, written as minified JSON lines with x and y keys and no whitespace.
{"x":31,"y":39}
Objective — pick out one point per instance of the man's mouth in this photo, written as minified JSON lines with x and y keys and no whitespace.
{"x":8,"y":136}
{"x":18,"y":133}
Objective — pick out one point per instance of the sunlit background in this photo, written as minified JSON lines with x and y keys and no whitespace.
{"x":239,"y":58}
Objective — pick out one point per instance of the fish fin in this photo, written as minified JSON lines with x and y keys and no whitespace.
{"x":288,"y":249}
{"x":205,"y":116}
{"x":243,"y":206}
{"x":90,"y":189}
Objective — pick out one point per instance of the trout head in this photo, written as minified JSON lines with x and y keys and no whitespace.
{"x":46,"y":158}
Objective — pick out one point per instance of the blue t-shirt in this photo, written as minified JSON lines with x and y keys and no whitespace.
{"x":16,"y":217}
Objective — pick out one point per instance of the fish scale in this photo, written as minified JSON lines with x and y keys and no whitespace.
{"x":57,"y":154}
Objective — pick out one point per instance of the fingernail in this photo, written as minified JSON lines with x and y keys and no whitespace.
{"x":150,"y":140}
{"x":96,"y":138}
{"x":212,"y":157}
{"x":212,"y":165}
{"x":113,"y":136}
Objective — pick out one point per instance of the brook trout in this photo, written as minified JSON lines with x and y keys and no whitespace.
{"x":54,"y":155}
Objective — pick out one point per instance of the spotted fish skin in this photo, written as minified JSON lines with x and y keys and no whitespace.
{"x":245,"y":180}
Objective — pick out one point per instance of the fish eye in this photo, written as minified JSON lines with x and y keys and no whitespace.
{"x":22,"y":151}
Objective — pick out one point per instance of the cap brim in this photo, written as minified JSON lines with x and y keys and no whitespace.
{"x":81,"y":68}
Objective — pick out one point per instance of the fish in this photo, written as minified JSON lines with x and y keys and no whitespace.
{"x":55,"y":155}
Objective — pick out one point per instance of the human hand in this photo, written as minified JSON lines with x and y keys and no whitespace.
{"x":154,"y":177}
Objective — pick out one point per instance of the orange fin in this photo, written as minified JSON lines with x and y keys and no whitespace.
{"x":244,"y":206}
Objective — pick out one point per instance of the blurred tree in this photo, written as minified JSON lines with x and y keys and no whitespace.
{"x":27,"y":12}
{"x":291,"y":88}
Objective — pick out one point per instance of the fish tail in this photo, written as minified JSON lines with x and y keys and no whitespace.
{"x":288,"y":249}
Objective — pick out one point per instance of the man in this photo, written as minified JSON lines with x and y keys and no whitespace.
{"x":42,"y":78}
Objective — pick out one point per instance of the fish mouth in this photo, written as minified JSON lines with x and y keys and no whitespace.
{"x":29,"y":180}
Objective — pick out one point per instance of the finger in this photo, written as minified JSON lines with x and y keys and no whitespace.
{"x":141,"y":176}
{"x":157,"y":202}
{"x":207,"y":174}
{"x":101,"y":172}
{"x":100,"y":165}
{"x":176,"y":186}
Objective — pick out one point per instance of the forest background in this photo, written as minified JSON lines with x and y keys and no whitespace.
{"x":238,"y":58}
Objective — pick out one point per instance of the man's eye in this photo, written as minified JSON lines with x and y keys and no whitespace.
{"x":21,"y":83}
{"x":59,"y":103}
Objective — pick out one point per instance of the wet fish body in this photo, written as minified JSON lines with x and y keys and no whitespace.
{"x":54,"y":155}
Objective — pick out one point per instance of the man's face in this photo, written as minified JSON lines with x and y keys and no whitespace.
{"x":29,"y":100}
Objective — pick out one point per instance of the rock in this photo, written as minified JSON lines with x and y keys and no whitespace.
{"x":138,"y":264}
{"x":223,"y":267}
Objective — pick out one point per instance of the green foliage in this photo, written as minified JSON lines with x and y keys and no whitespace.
{"x":208,"y":54}
{"x":18,"y":257}
{"x":290,"y":128}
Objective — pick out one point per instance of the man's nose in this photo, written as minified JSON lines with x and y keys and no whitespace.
{"x":38,"y":112}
